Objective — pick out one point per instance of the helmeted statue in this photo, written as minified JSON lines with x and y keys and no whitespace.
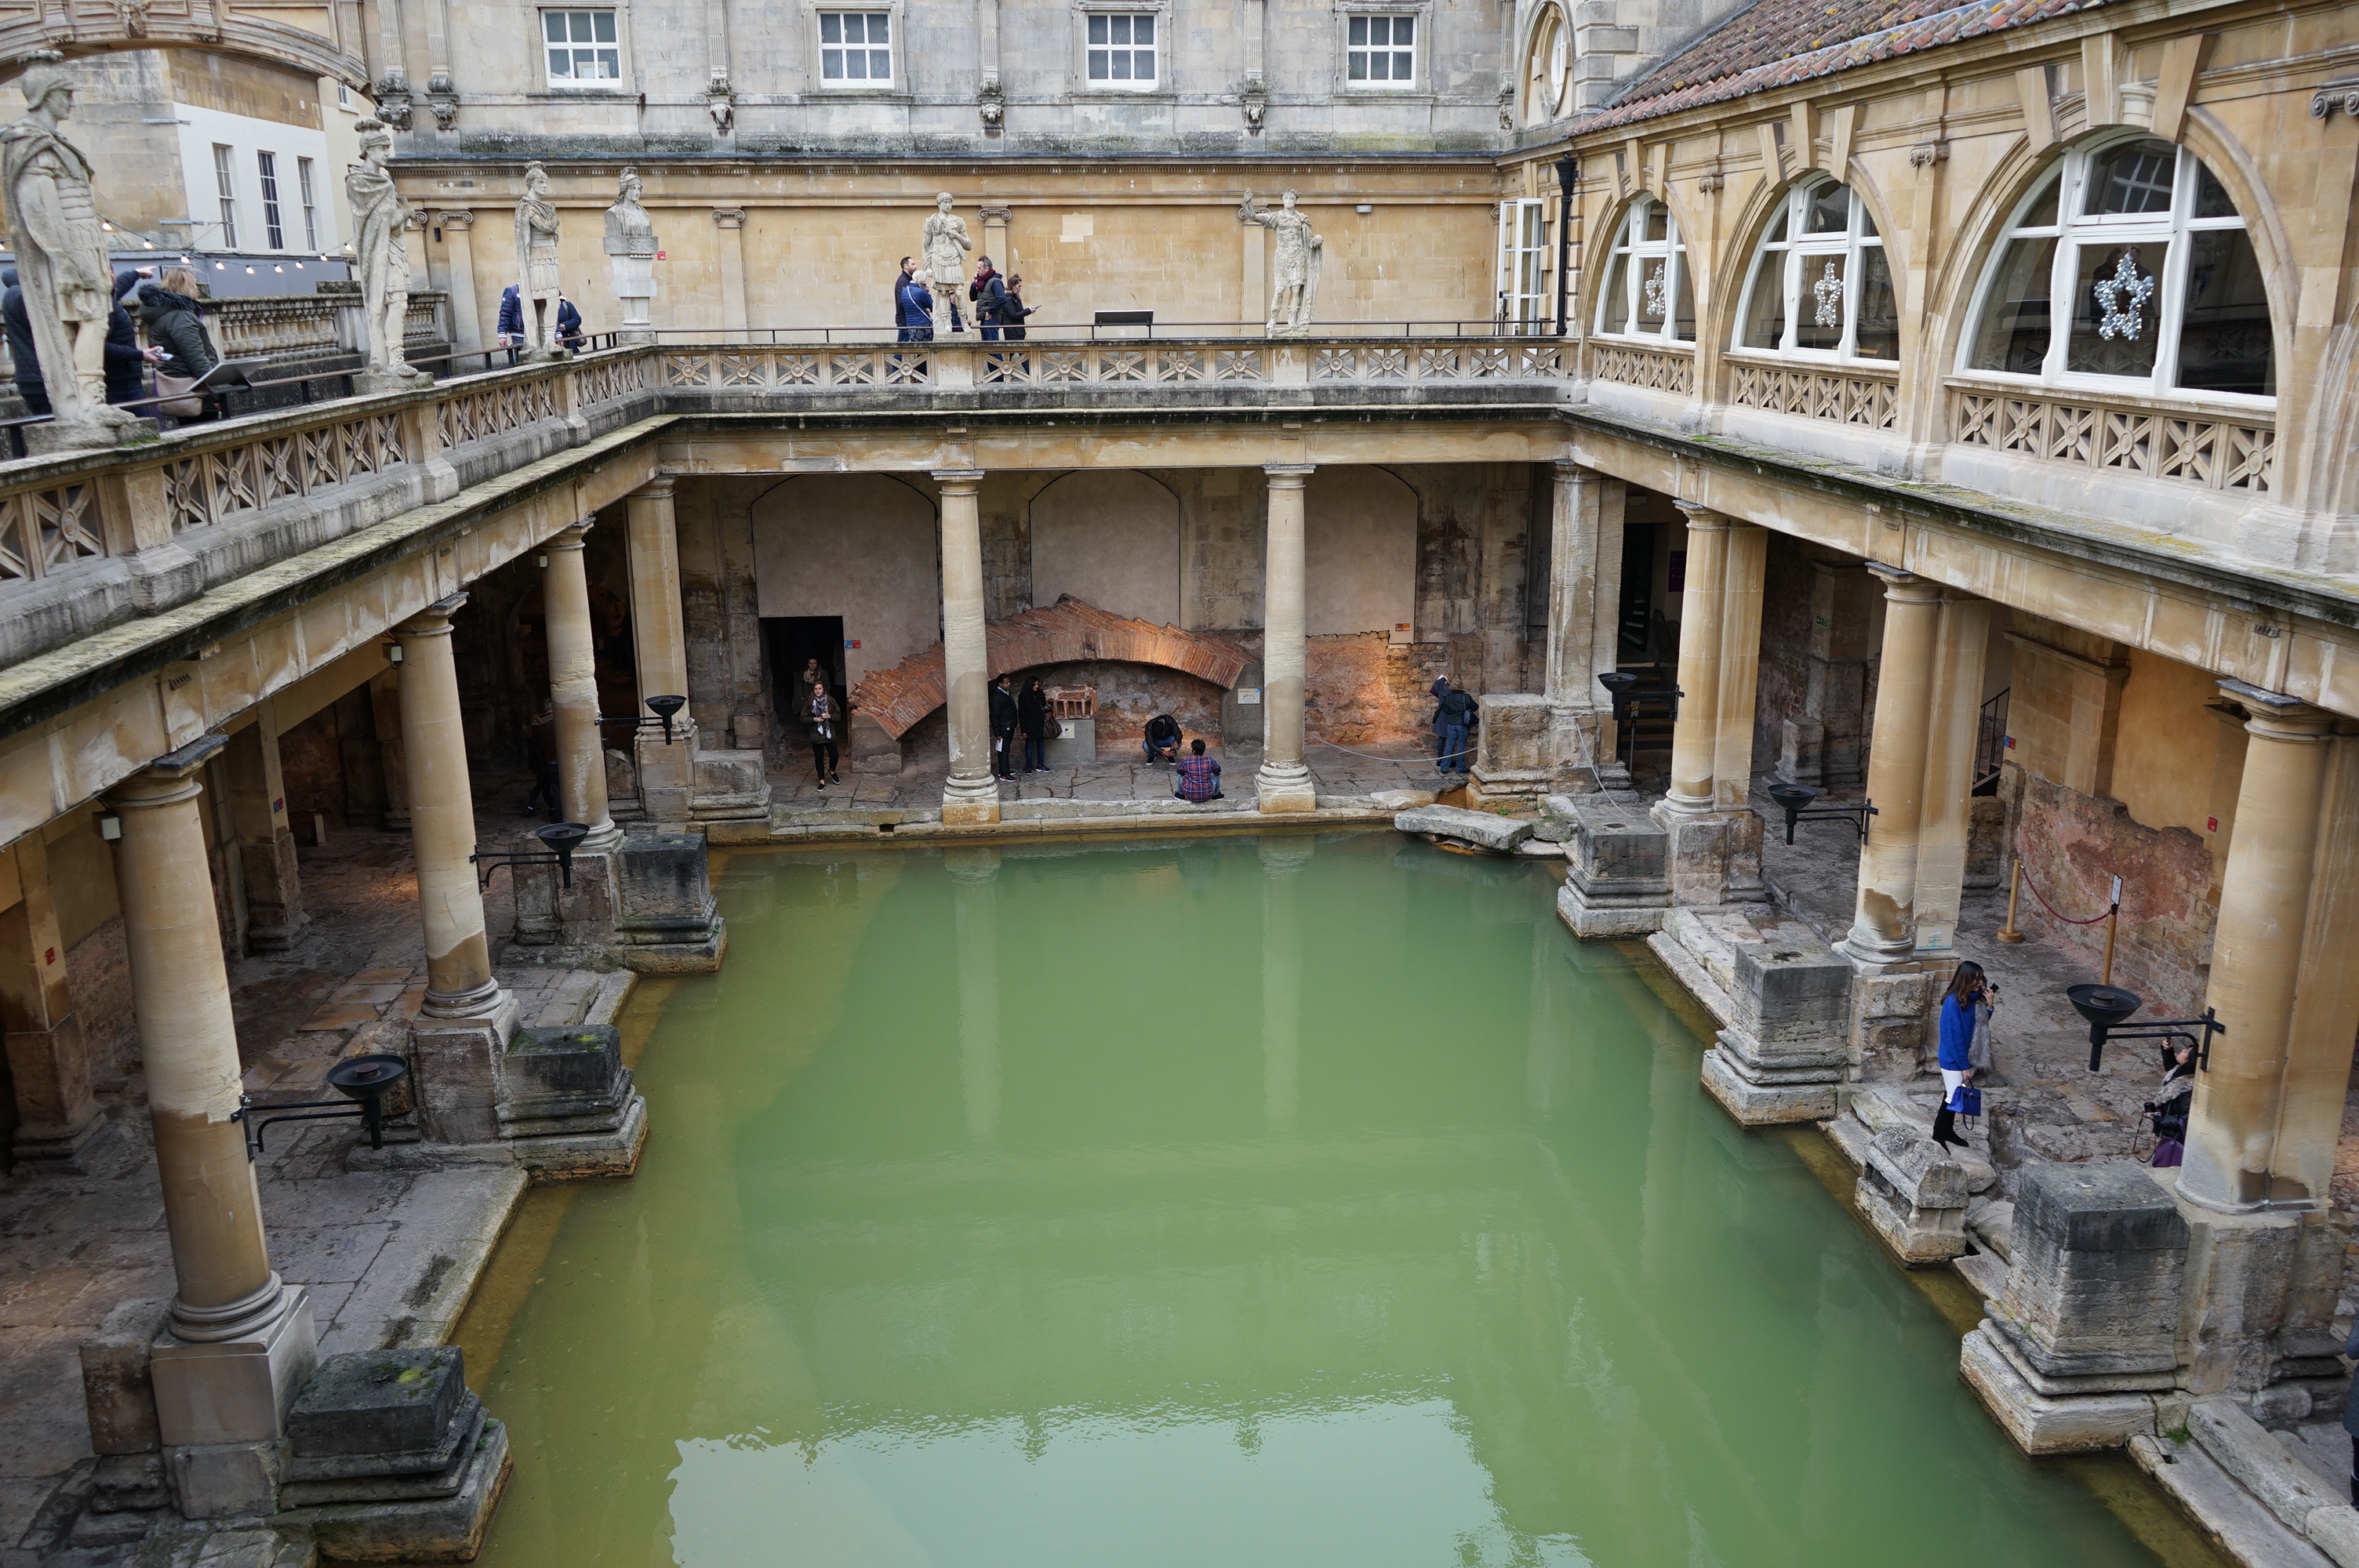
{"x":537,"y":270}
{"x":631,"y":248}
{"x":62,"y":262}
{"x":943,"y":249}
{"x":381,"y":248}
{"x":1294,"y":280}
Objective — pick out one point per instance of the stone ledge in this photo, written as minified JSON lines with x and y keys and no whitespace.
{"x":2221,"y":1510}
{"x":2041,"y":1424}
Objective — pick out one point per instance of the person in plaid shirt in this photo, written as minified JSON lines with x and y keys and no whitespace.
{"x":1198,"y":777}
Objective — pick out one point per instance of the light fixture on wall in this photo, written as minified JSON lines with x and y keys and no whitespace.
{"x":393,"y":653}
{"x":2107,"y":1006}
{"x":561,"y":836}
{"x":1795,"y":799}
{"x":110,"y":827}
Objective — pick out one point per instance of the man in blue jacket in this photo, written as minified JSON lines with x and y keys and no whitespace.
{"x":511,"y":323}
{"x":126,"y":362}
{"x":913,"y":307}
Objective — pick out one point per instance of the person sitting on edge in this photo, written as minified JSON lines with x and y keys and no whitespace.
{"x":1198,"y":778}
{"x":1161,"y":742}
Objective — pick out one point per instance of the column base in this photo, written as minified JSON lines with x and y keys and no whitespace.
{"x":408,"y":1470}
{"x":98,"y":1147}
{"x":726,"y":786}
{"x":1616,"y":885}
{"x":456,"y":1063}
{"x":1782,"y":998}
{"x":970,"y":802}
{"x":2075,"y":1422}
{"x":1518,"y":787}
{"x":666,"y":771}
{"x":1283,"y":787}
{"x":235,"y":1390}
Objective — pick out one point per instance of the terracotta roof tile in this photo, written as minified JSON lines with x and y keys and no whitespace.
{"x":1774,"y":43}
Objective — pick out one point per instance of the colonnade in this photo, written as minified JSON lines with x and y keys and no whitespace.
{"x":971,"y":793}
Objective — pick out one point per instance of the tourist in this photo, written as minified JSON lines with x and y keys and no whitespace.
{"x":1198,"y":778}
{"x":1457,"y":719}
{"x":569,"y":335}
{"x":2171,"y":1106}
{"x":510,"y":327}
{"x":125,"y":358}
{"x":826,"y":725}
{"x":1003,"y":728}
{"x":1965,"y":1009}
{"x":1032,"y":713}
{"x":990,"y":297}
{"x":913,"y":308}
{"x":1161,"y":742}
{"x":1439,"y":689}
{"x":1013,"y":309}
{"x":175,"y":325}
{"x":809,"y":677}
{"x":540,"y":748}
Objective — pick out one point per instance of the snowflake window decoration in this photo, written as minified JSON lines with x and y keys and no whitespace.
{"x":1658,"y":295}
{"x":1828,"y":292}
{"x":2123,"y":299}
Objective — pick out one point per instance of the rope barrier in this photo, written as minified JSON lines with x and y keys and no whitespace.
{"x":2043,"y":897}
{"x":1402,"y":762}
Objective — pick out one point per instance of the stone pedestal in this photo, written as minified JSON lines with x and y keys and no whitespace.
{"x":1513,"y":765}
{"x":454,"y":1068}
{"x":1783,"y":1000}
{"x":667,"y":921}
{"x":2086,"y":1336}
{"x":667,"y":770}
{"x":1619,"y":857}
{"x":1892,"y":1011}
{"x":220,"y":1404}
{"x":1913,"y":1196}
{"x":727,"y":786}
{"x":391,"y":1458}
{"x":557,"y":924}
{"x":563,"y":1082}
{"x":869,"y":749}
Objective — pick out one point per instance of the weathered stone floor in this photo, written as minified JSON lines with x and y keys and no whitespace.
{"x":390,"y":1258}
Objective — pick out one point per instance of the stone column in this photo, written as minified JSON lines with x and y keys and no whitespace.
{"x":1284,"y":782}
{"x":573,"y":687}
{"x":971,"y":794}
{"x":2326,"y":993}
{"x":1695,"y":737}
{"x":466,"y":1018}
{"x":1954,"y":725}
{"x":1583,"y":632}
{"x":2257,"y":955}
{"x":243,"y":1340}
{"x":666,"y":771}
{"x":459,"y":981}
{"x":729,"y":259}
{"x":1744,"y":556}
{"x":466,"y":326}
{"x":265,"y":841}
{"x":1884,"y":931}
{"x":49,"y":1055}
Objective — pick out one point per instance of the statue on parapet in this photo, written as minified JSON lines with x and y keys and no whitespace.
{"x":63,"y":263}
{"x":631,"y":248}
{"x":943,"y":249}
{"x":537,"y":269}
{"x":1294,"y":286}
{"x":381,"y":250}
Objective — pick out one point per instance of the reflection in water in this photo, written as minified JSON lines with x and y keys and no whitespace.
{"x":1220,"y":1203}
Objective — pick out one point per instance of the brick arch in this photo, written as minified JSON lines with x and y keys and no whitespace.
{"x":82,"y":28}
{"x":1065,"y":633}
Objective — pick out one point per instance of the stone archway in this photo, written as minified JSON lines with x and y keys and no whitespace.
{"x":79,"y":30}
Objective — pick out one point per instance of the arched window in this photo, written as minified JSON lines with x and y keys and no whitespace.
{"x":1548,"y":72}
{"x":1820,"y":285}
{"x":1647,"y":292}
{"x":2163,"y":286}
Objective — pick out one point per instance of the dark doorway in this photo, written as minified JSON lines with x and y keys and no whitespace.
{"x":1637,"y":609}
{"x":790,"y":640}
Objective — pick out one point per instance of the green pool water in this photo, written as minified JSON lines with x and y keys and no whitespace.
{"x":1226,"y":1201}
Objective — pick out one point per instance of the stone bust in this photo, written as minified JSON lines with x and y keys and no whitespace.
{"x":629,"y":231}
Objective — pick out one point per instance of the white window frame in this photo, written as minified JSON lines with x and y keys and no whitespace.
{"x":1669,"y":253}
{"x":226,"y":184}
{"x":2074,"y":231}
{"x":1366,"y":16}
{"x":304,"y":188}
{"x":574,"y":81}
{"x":894,"y":37}
{"x":1092,"y":17}
{"x":274,"y":217}
{"x":1523,"y":299}
{"x":345,"y":98}
{"x":1803,"y":257}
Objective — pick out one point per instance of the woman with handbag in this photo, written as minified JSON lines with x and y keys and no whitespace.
{"x":825,"y":723}
{"x":175,"y":323}
{"x":1963,"y":1010}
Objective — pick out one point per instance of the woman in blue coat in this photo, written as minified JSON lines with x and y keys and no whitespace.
{"x":913,"y":308}
{"x":1964,"y":1009}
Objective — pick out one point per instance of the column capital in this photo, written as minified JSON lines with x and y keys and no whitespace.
{"x":729,"y":217}
{"x":959,"y":481}
{"x":2276,"y":716}
{"x":1288,"y":476}
{"x":1904,"y":586}
{"x":1572,"y":468}
{"x":434,"y":620}
{"x":171,"y":778}
{"x":454,"y":220}
{"x":1701,"y":516}
{"x":572,"y":536}
{"x":656,"y":489}
{"x":997,"y":214}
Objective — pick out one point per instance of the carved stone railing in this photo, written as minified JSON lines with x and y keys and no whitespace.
{"x":1051,"y":363}
{"x":1868,"y":396}
{"x":1656,"y":369}
{"x":2224,"y":451}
